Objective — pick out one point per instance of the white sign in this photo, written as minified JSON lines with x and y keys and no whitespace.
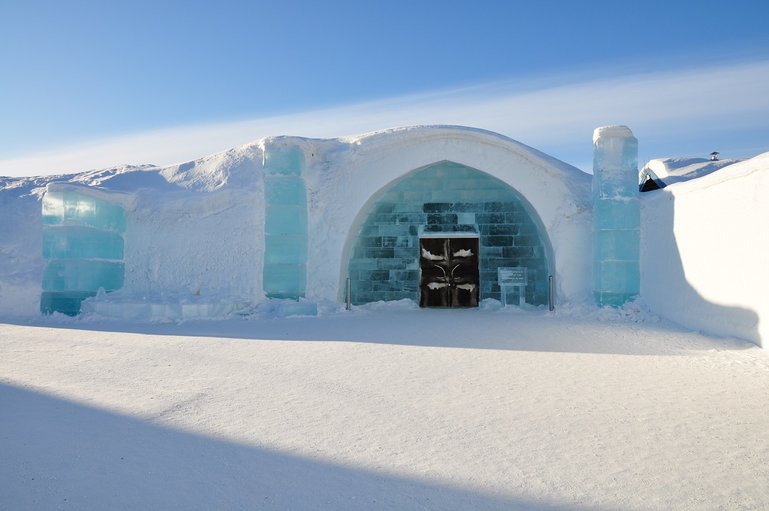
{"x":512,"y":276}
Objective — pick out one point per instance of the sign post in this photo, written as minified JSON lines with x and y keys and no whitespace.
{"x":513,"y":277}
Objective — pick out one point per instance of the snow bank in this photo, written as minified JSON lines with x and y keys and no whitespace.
{"x":704,"y":251}
{"x":21,"y":252}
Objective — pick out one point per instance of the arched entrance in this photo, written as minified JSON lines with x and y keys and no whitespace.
{"x":441,"y":202}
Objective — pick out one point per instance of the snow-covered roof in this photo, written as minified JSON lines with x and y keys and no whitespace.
{"x":667,"y":171}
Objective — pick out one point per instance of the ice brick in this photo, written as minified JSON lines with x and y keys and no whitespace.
{"x":69,"y":207}
{"x":617,"y":245}
{"x":285,"y":249}
{"x":618,"y":277}
{"x":73,"y":242}
{"x":285,"y":160}
{"x":617,"y":213}
{"x":284,"y":280}
{"x":286,"y":220}
{"x":286,"y":190}
{"x":66,"y":302}
{"x":82,"y":275}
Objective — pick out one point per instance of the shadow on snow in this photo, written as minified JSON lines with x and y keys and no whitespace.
{"x":59,"y":454}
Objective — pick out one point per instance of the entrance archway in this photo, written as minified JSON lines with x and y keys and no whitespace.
{"x":446,"y":200}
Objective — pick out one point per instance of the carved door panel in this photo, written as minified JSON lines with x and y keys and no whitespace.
{"x":449,"y":272}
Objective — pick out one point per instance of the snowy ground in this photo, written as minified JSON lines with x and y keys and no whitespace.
{"x":386,"y":408}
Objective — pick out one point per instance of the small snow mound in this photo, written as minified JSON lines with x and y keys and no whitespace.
{"x":394,"y":305}
{"x":236,"y":167}
{"x":617,"y":130}
{"x":635,"y":311}
{"x":491,"y":304}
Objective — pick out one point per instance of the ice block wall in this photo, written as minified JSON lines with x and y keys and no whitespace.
{"x":616,"y":216}
{"x":445,"y":197}
{"x":82,"y":247}
{"x":285,"y":229}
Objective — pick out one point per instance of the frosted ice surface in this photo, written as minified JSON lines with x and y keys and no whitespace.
{"x":618,"y":213}
{"x":284,"y":280}
{"x":285,"y":252}
{"x":285,"y":249}
{"x":284,"y":190}
{"x":283,"y":219}
{"x":286,"y":160}
{"x":70,"y":207}
{"x":82,"y":275}
{"x":83,"y":248}
{"x":74,"y":242}
{"x":616,"y":216}
{"x":617,"y":245}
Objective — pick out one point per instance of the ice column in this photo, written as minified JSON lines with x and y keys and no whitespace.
{"x":616,"y":216}
{"x":82,"y":247}
{"x":285,"y":229}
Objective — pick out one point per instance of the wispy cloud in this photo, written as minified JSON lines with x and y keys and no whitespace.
{"x":554,"y":116}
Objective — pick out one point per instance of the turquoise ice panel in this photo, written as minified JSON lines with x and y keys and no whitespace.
{"x":286,"y":220}
{"x":613,"y":185}
{"x":617,"y":214}
{"x":66,"y":302}
{"x":285,"y":190}
{"x":80,"y":209}
{"x":616,"y":220}
{"x":82,"y":275}
{"x":615,"y":153}
{"x":74,"y":242}
{"x":285,"y":249}
{"x":285,"y":280}
{"x":287,"y":160}
{"x":617,"y":245}
{"x":618,"y":277}
{"x":445,"y":198}
{"x":615,"y":168}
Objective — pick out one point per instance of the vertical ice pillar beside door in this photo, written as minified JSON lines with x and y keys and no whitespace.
{"x":285,"y":230}
{"x":616,"y":216}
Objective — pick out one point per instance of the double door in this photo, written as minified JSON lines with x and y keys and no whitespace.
{"x":449,"y":272}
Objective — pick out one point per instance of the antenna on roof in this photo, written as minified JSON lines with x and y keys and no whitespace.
{"x":714,"y":156}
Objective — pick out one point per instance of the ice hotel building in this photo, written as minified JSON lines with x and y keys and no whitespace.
{"x":444,"y":216}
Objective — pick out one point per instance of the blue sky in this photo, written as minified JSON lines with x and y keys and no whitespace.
{"x":89,"y":84}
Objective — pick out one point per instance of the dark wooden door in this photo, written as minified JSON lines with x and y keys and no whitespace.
{"x":449,"y":272}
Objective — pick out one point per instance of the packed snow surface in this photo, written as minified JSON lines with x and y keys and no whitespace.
{"x":383,"y":407}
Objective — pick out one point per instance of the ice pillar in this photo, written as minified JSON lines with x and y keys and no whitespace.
{"x":82,"y":246}
{"x":285,"y":229}
{"x":616,"y":216}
